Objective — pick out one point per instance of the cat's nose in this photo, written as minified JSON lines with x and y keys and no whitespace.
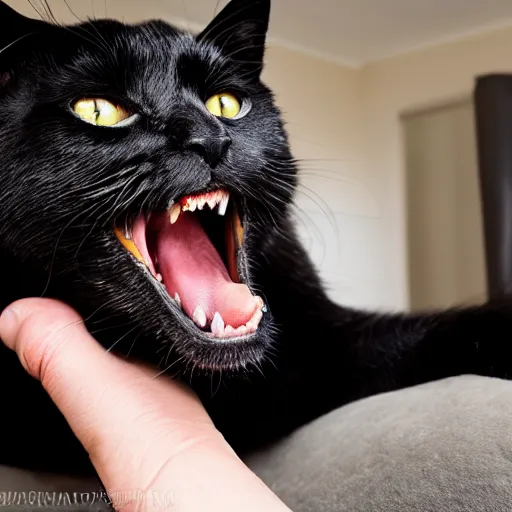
{"x":212,"y":148}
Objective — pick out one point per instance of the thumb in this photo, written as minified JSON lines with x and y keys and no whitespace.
{"x":126,"y":438}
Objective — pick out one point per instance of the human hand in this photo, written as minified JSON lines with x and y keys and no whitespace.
{"x":141,"y":433}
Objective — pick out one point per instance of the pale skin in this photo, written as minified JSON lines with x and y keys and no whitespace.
{"x":142,"y":433}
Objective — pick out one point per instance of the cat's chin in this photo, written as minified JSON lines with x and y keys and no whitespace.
{"x":194,"y":254}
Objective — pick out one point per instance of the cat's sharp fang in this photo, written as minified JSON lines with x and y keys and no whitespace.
{"x":218,"y":326}
{"x":174,"y":213}
{"x":223,"y":206}
{"x":200,"y":317}
{"x":177,"y":298}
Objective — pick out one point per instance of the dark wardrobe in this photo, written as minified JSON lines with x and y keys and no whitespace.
{"x":493,"y":116}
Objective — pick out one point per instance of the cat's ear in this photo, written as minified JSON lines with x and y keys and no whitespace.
{"x":240,"y":31}
{"x":14,"y":27}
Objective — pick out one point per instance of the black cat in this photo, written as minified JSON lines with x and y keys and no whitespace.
{"x":146,"y":179}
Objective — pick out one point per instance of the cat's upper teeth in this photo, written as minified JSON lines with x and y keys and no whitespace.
{"x":174,"y":213}
{"x":218,"y":198}
{"x":223,"y":206}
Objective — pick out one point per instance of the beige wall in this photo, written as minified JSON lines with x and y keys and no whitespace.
{"x":392,"y":87}
{"x":354,"y":117}
{"x":337,"y":215}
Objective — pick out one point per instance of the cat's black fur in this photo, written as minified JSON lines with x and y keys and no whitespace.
{"x":63,"y":185}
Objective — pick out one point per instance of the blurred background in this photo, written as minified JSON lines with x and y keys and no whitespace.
{"x":379,"y":104}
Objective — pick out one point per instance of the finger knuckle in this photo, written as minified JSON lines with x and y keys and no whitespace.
{"x":39,"y":345}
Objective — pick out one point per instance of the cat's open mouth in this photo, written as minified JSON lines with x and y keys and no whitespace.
{"x":194,"y":253}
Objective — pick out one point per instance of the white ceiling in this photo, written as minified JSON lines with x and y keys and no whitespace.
{"x":358,"y":31}
{"x":349,"y":31}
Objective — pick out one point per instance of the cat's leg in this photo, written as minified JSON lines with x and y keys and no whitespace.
{"x":328,"y":356}
{"x":356,"y":355}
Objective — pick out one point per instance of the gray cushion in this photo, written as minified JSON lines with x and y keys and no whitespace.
{"x":443,"y":446}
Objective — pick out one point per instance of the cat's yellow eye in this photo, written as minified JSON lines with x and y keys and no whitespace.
{"x":100,"y":112}
{"x":224,"y":105}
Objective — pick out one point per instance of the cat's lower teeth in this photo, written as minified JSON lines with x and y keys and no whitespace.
{"x":218,"y":325}
{"x":221,"y":331}
{"x":200,"y":317}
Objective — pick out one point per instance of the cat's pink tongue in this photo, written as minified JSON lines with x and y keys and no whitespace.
{"x":192,"y":268}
